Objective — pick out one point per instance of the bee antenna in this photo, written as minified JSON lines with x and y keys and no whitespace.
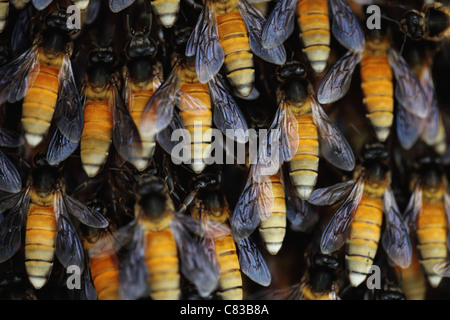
{"x":403,"y":44}
{"x":383,"y":16}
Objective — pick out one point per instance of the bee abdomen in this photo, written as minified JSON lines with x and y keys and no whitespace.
{"x":198,"y":122}
{"x":40,"y":239}
{"x":273,"y":229}
{"x":362,"y":243}
{"x":4,"y":11}
{"x":238,"y":56}
{"x":432,"y":238}
{"x":167,"y":11}
{"x":105,"y":276}
{"x":314,"y":26}
{"x":96,"y":137}
{"x":39,"y":105}
{"x":230,"y":280}
{"x":161,"y":258}
{"x":148,"y":141}
{"x":377,"y":86}
{"x":304,"y":166}
{"x":413,"y":279}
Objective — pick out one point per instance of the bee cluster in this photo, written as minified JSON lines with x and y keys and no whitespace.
{"x":345,"y":196}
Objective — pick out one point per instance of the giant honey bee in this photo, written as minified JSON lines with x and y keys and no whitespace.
{"x":44,"y":207}
{"x":229,"y":32}
{"x":42,"y":4}
{"x":358,"y":220}
{"x":43,"y":77}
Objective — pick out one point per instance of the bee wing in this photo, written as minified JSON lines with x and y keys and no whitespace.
{"x":60,"y":148}
{"x":93,"y":10}
{"x":9,"y":138}
{"x":204,"y":44}
{"x":333,"y":145}
{"x":336,"y":83}
{"x":396,"y":241}
{"x":413,"y":208}
{"x":408,"y":91}
{"x":41,"y":4}
{"x":85,"y":214}
{"x":18,"y":75}
{"x":408,"y":127}
{"x":432,"y":121}
{"x":126,"y":137}
{"x":279,"y":24}
{"x":158,"y":111}
{"x":133,"y":275}
{"x":331,"y":195}
{"x":252,"y":262}
{"x":442,"y":269}
{"x":195,"y":263}
{"x":336,"y":232}
{"x":11,"y":225}
{"x":175,"y":129}
{"x":254,"y":21}
{"x":119,"y":5}
{"x":10,"y":180}
{"x":203,"y":228}
{"x":227,"y":115}
{"x":20,"y":39}
{"x":69,"y":248}
{"x":345,"y":26}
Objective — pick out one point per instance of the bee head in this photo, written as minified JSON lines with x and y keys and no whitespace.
{"x":45,"y":176}
{"x":412,"y":24}
{"x":103,"y":55}
{"x":291,"y":70}
{"x":151,"y":195}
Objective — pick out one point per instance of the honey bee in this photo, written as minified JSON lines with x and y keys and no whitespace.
{"x":142,"y":78}
{"x":314,"y":24}
{"x":156,"y":242}
{"x":43,"y":77}
{"x":42,"y":4}
{"x":300,"y":128}
{"x":430,"y":129}
{"x":229,"y":32}
{"x":199,"y":106}
{"x":379,"y":65}
{"x":165,"y":10}
{"x":106,"y":119}
{"x":10,"y":179}
{"x":357,"y":222}
{"x":413,"y":281}
{"x":431,"y":23}
{"x":427,"y":216}
{"x":44,"y":207}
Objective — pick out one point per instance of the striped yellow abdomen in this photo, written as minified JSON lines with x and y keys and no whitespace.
{"x":273,"y":229}
{"x":413,"y":279}
{"x":97,"y":136}
{"x":167,"y":11}
{"x":378,"y":90}
{"x":105,"y":276}
{"x":39,"y":104}
{"x":314,"y":27}
{"x":161,"y":258}
{"x":309,"y":295}
{"x":432,"y":239}
{"x":238,"y":56}
{"x":362,"y":243}
{"x":197,"y":121}
{"x":40,"y":242}
{"x":304,"y":166}
{"x":230,"y":280}
{"x":136,"y":104}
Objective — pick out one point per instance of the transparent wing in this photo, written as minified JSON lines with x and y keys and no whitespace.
{"x":413,"y":209}
{"x":20,"y":37}
{"x":41,"y":4}
{"x":331,"y":195}
{"x":11,"y":226}
{"x":9,"y":138}
{"x":408,"y":127}
{"x":336,"y":232}
{"x":196,"y":265}
{"x":203,"y":228}
{"x":442,"y":269}
{"x":345,"y":26}
{"x":254,"y":21}
{"x":18,"y":76}
{"x":92,"y":11}
{"x":133,"y":276}
{"x":60,"y":148}
{"x":158,"y":111}
{"x":408,"y":91}
{"x":126,"y":137}
{"x":204,"y":44}
{"x":279,"y":24}
{"x":10,"y":180}
{"x":252,"y":262}
{"x":333,"y":145}
{"x":69,"y":248}
{"x":432,"y":121}
{"x":119,"y":5}
{"x":336,"y":83}
{"x":85,"y":214}
{"x":175,"y":135}
{"x":227,"y":115}
{"x":395,"y":240}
